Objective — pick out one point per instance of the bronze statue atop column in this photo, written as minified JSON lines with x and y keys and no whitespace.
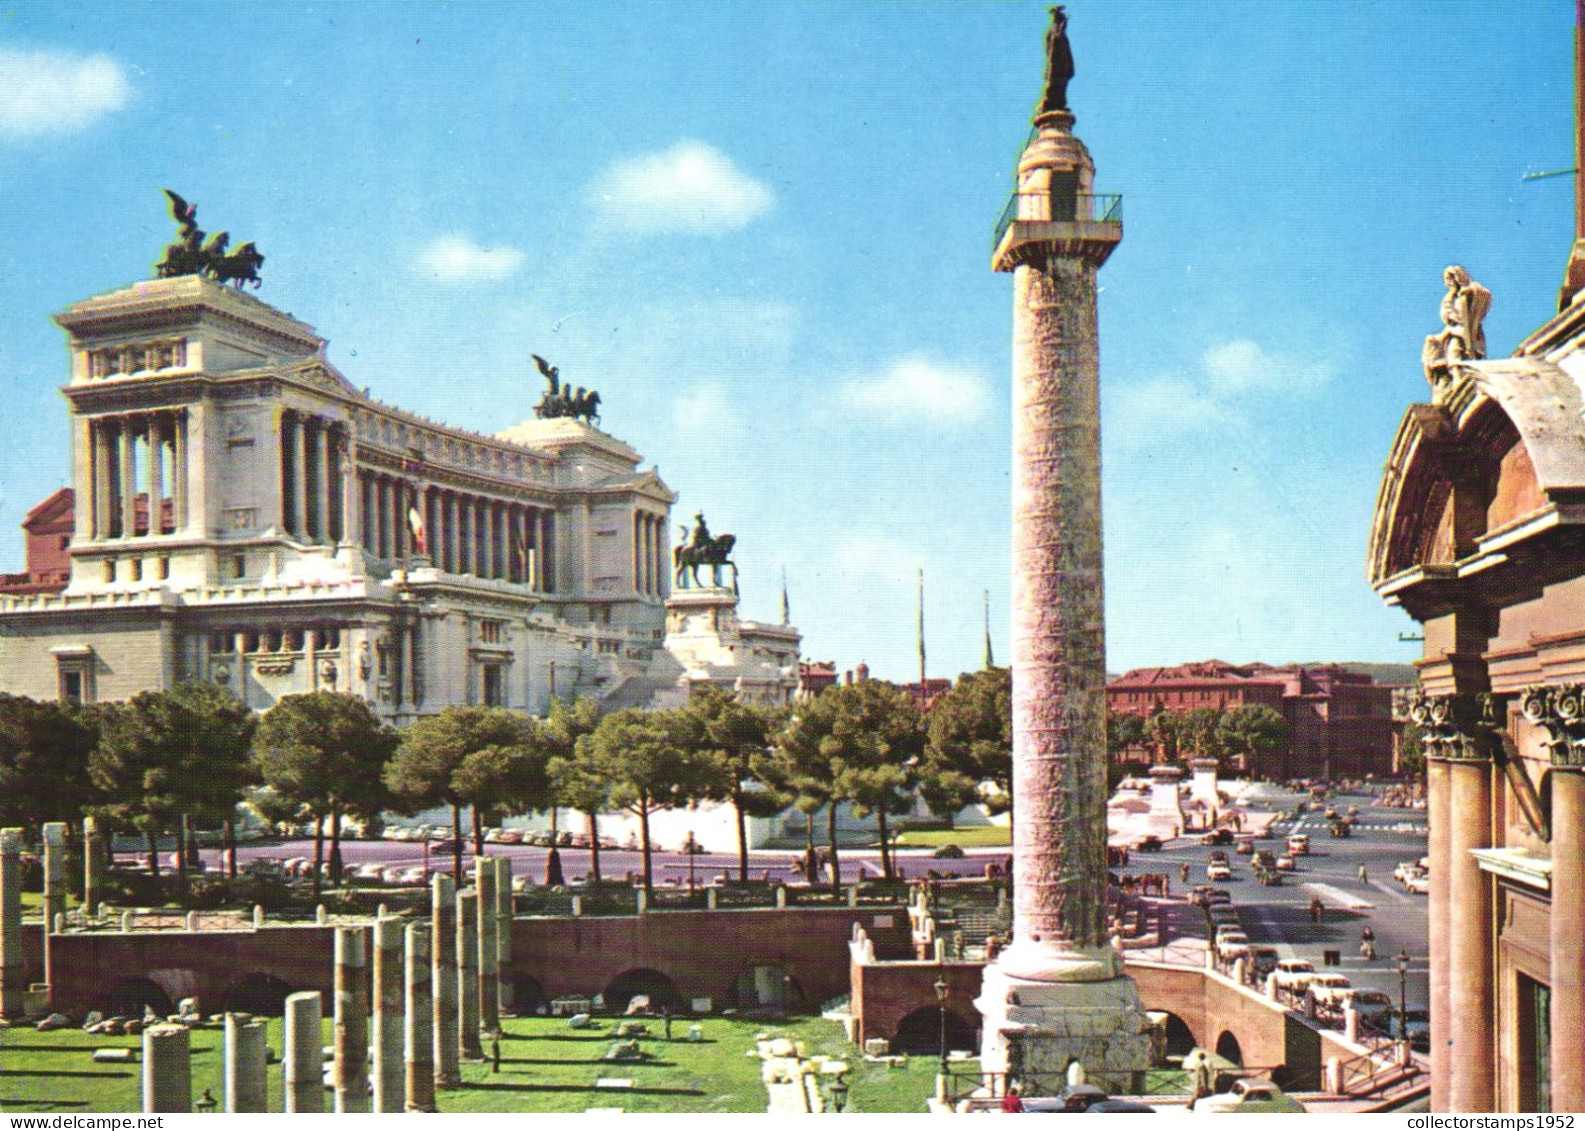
{"x":1059,"y":65}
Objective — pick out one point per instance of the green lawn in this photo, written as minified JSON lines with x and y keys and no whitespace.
{"x":545,"y":1067}
{"x":980,"y":836}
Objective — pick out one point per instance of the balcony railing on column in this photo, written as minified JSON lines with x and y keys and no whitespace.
{"x":1058,"y":207}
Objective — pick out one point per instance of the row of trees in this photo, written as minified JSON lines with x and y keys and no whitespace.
{"x":164,"y":760}
{"x":1242,"y":732}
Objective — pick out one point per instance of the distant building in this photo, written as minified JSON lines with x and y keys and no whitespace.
{"x":814,"y":676}
{"x":925,"y":694}
{"x":48,"y":535}
{"x":1339,"y":722}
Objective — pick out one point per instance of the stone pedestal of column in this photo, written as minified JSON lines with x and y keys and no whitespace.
{"x":246,"y":1089}
{"x":351,"y":1022}
{"x":167,"y":1070}
{"x":389,"y":1018}
{"x":489,"y":940}
{"x":302,"y":1056}
{"x":418,"y":1028}
{"x":12,"y":985}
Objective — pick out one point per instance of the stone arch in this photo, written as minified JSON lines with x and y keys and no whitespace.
{"x":766,"y":986}
{"x":1227,"y":1048}
{"x":663,"y":992}
{"x":1180,"y":1038}
{"x":919,"y":1032}
{"x":258,"y":993}
{"x":129,"y":996}
{"x":524,"y":993}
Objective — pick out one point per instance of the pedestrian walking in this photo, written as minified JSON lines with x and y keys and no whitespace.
{"x":1183,"y":872}
{"x":495,"y":1051}
{"x":1364,"y":876}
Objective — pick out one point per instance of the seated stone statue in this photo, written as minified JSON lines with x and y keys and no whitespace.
{"x":1461,"y":338}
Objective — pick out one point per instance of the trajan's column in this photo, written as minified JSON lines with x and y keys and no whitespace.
{"x":1058,"y":993}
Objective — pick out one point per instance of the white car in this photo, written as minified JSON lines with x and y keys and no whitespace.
{"x":1217,"y":870}
{"x":1249,"y":1097}
{"x":369,"y":872}
{"x":1329,"y":990}
{"x":1418,"y":885}
{"x":1294,"y":974}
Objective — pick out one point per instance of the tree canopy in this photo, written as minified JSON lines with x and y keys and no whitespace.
{"x":970,"y":744}
{"x":44,"y":756}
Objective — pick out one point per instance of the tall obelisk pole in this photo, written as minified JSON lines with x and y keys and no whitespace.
{"x":1058,"y":992}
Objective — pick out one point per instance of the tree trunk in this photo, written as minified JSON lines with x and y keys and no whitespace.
{"x":831,"y":840}
{"x":230,"y":847}
{"x":181,"y":850}
{"x":643,"y":828}
{"x":319,"y":855}
{"x":886,"y":852}
{"x":594,"y":847}
{"x":153,"y":846}
{"x":555,"y":815}
{"x":335,"y":846}
{"x":456,"y":845}
{"x":478,"y":831}
{"x":742,"y":838}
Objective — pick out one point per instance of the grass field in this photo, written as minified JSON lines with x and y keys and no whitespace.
{"x":544,"y":1067}
{"x":981,"y":836}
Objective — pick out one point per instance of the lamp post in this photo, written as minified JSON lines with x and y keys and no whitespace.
{"x":839,"y":1095}
{"x":1402,"y":959}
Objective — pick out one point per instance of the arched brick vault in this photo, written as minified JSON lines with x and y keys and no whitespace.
{"x":1501,"y":457}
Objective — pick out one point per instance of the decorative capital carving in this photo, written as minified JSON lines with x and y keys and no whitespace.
{"x":1459,"y":728}
{"x":1559,"y":710}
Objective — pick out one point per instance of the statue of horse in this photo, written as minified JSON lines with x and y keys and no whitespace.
{"x":715,"y":553}
{"x":239,"y":267}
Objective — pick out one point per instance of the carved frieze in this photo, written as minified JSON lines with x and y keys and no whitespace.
{"x":1559,"y":711}
{"x":1456,"y":727}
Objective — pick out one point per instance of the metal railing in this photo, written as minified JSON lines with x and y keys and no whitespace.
{"x":1091,"y":208}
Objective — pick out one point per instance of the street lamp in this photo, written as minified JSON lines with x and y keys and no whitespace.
{"x":1402,"y":959}
{"x":839,"y":1095}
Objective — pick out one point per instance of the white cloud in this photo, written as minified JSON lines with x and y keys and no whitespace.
{"x":705,"y":408}
{"x":1242,"y":366}
{"x":914,"y":388}
{"x":457,"y":259}
{"x":45,"y":92}
{"x":1165,"y":407}
{"x":691,"y":187}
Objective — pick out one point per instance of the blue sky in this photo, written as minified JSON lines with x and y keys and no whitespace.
{"x":762,"y":232}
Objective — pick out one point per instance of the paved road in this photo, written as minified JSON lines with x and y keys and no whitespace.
{"x":1280,"y":916}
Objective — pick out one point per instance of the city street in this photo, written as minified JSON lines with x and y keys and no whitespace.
{"x":1280,"y":916}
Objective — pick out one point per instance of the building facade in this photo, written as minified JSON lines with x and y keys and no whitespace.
{"x":241,"y":513}
{"x":1479,"y":535}
{"x":1339,"y":722}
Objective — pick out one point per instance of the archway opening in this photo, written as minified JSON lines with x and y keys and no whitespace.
{"x":263,"y":995}
{"x":1227,"y":1048}
{"x":768,"y":989}
{"x":1180,"y":1038}
{"x":661,"y":990}
{"x":524,"y":994}
{"x":131,"y":996}
{"x":919,"y":1033}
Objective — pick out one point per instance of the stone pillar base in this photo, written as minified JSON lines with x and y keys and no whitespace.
{"x":1101,"y":1024}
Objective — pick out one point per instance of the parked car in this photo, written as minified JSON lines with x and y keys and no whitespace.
{"x":1264,"y":959}
{"x":1248,"y":1096}
{"x":1294,"y":974}
{"x":1245,"y":848}
{"x":1218,"y":870}
{"x":1150,"y":843}
{"x":1284,"y":863}
{"x":1418,"y":1028}
{"x":1418,"y":885}
{"x":1073,"y":1098}
{"x":1328,"y":990}
{"x":1298,"y":844}
{"x":1373,"y":1007}
{"x":511,"y":836}
{"x":1217,"y":836}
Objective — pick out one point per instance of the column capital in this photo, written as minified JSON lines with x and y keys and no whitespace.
{"x":1559,"y":710}
{"x":1457,"y":728}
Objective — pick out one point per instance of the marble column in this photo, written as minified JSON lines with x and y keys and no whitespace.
{"x":128,"y":475}
{"x":179,"y":463}
{"x":468,"y":975}
{"x":324,"y":485}
{"x":389,"y":1018}
{"x":1439,"y":821}
{"x":54,"y":871}
{"x":443,"y":978}
{"x":167,"y":1070}
{"x":352,"y":1021}
{"x":491,"y":561}
{"x":1568,"y":937}
{"x":99,"y":476}
{"x":93,"y":867}
{"x":246,"y":1089}
{"x":302,"y":1060}
{"x":489,"y":966}
{"x":156,"y":472}
{"x":1059,"y":992}
{"x":13,"y":986}
{"x":1471,"y":1051}
{"x":306,"y":519}
{"x":418,"y":1022}
{"x":505,"y":912}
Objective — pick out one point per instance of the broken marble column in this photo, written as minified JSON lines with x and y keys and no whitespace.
{"x":54,"y":870}
{"x":468,"y":975}
{"x":443,"y":977}
{"x":505,"y":911}
{"x":167,"y":1070}
{"x":303,"y":1058}
{"x":418,"y":1022}
{"x":12,"y":985}
{"x":93,"y":867}
{"x":389,"y":1088}
{"x":352,"y":1022}
{"x":484,"y":875}
{"x":245,"y":1058}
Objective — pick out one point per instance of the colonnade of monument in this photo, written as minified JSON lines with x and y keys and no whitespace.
{"x":136,"y":456}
